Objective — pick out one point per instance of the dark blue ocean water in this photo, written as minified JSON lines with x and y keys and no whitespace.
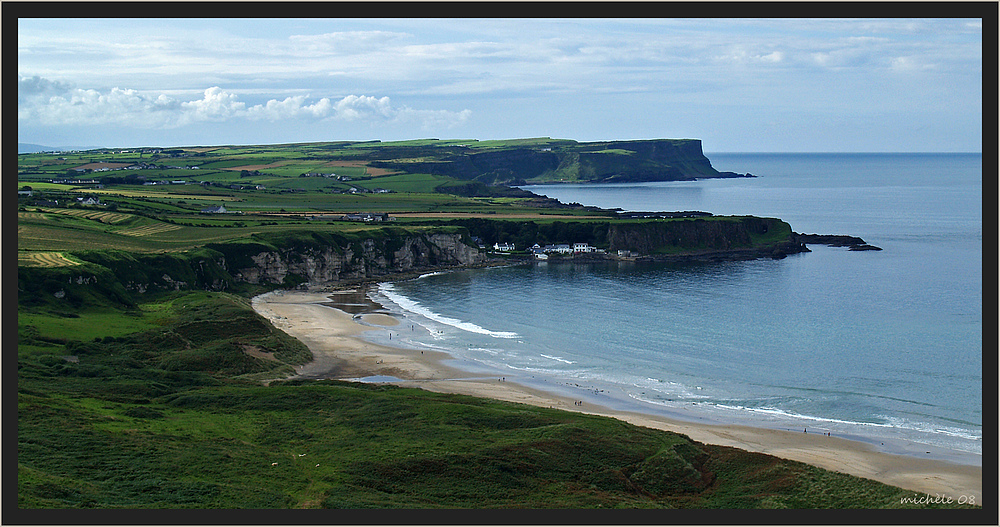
{"x":880,"y":346}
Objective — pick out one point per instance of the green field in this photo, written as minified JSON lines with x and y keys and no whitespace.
{"x":261,"y":187}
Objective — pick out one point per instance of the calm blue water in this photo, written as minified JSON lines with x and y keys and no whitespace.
{"x":883,"y":346}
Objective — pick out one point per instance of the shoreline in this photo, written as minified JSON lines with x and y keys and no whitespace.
{"x":334,"y":330}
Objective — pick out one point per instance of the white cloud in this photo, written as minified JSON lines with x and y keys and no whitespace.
{"x":290,"y":108}
{"x":51,"y":103}
{"x":373,"y":109}
{"x":217,"y":105}
{"x":78,"y":106}
{"x":742,"y":55}
{"x":354,"y":107}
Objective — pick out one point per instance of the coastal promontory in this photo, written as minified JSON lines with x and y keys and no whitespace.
{"x":545,"y":160}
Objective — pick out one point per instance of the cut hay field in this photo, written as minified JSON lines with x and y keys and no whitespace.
{"x":44,"y":259}
{"x":149,"y":230}
{"x":56,"y":238}
{"x":43,"y":235}
{"x":96,"y":215}
{"x":74,"y":230}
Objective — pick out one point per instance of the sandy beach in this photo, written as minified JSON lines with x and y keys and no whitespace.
{"x":334,"y":335}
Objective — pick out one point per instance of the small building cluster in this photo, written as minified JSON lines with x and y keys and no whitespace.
{"x":368,"y":217}
{"x":102,"y":166}
{"x":543,"y":252}
{"x":362,"y":190}
{"x":74,"y":181}
{"x":326,"y":175}
{"x":165,"y":182}
{"x":564,"y":248}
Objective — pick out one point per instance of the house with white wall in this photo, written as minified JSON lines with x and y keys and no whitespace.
{"x":503,"y":247}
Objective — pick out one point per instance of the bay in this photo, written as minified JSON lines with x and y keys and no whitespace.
{"x":884,"y":347}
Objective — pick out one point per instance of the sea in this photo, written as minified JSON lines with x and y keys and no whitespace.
{"x":884,"y":347}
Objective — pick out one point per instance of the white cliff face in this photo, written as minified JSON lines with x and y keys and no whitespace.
{"x":269,"y":267}
{"x":368,"y":258}
{"x":316,"y":263}
{"x":274,"y":267}
{"x":452,"y":247}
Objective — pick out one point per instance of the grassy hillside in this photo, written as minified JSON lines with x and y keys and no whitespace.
{"x":164,"y":408}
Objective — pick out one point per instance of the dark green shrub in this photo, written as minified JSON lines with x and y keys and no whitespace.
{"x":143,"y":412}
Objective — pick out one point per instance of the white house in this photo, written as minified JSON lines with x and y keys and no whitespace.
{"x":214,"y":210}
{"x":583,"y":248}
{"x":504,"y":247}
{"x":562,"y":248}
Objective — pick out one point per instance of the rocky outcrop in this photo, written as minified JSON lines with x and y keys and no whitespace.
{"x":434,"y":250}
{"x":853,"y":243}
{"x":273,"y":267}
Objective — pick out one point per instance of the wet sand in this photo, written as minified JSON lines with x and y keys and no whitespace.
{"x":322,"y":322}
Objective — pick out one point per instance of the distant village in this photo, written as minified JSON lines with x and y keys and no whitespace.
{"x":143,"y":180}
{"x":541,"y":252}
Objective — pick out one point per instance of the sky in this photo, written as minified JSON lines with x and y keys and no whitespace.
{"x":738,"y":85}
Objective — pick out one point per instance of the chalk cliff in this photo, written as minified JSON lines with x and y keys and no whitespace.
{"x":367,"y":258}
{"x":291,"y":259}
{"x":284,"y":260}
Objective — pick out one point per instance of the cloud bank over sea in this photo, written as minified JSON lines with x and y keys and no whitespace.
{"x":56,"y":103}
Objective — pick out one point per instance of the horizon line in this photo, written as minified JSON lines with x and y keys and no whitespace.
{"x":706,"y":152}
